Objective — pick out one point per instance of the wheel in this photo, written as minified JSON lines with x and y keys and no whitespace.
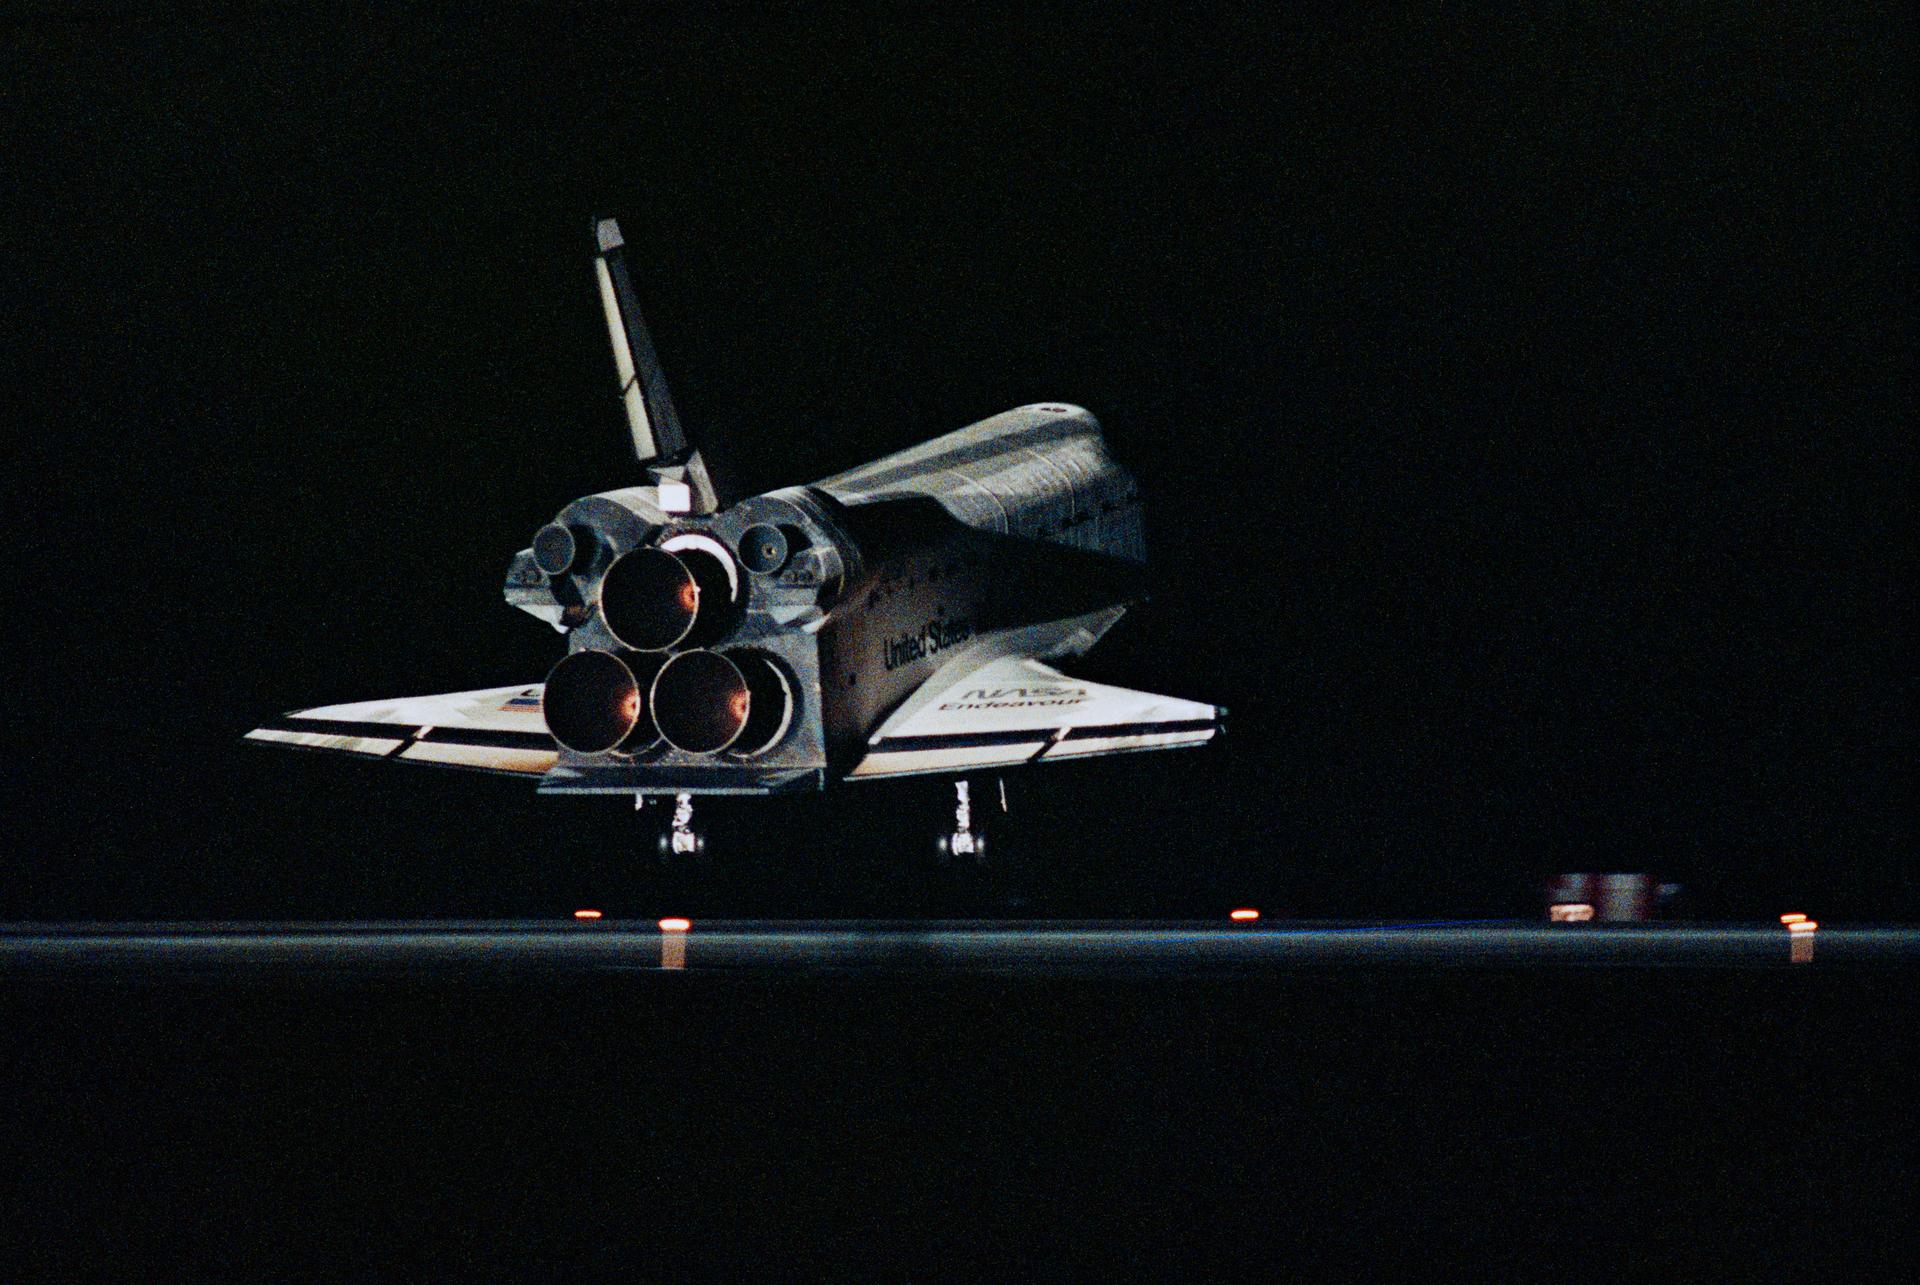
{"x":969,"y":848}
{"x":678,"y":845}
{"x":979,"y":853}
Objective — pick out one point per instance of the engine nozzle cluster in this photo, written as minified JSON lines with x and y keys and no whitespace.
{"x":698,"y":702}
{"x":661,"y":685}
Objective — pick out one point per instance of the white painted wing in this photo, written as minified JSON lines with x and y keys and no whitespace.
{"x":501,"y":729}
{"x":1017,"y":710}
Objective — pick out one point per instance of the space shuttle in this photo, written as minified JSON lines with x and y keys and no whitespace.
{"x":905,"y":617}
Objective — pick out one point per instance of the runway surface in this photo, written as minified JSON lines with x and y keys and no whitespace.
{"x":926,"y":947}
{"x":749,"y":1091}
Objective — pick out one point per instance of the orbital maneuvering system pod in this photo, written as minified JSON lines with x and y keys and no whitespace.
{"x":900,"y":618}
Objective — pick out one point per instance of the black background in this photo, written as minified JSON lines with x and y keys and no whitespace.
{"x":1522,"y":403}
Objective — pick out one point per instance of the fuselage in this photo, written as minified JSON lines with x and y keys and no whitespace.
{"x":973,"y":544}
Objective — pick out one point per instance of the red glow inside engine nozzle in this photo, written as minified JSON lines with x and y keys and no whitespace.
{"x":593,"y":701}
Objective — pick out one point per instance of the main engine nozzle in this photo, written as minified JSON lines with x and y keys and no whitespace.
{"x":653,"y":598}
{"x":706,"y":701}
{"x":597,"y":701}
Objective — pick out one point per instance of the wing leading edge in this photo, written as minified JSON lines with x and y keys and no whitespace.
{"x":1018,"y":710}
{"x":499,"y":729}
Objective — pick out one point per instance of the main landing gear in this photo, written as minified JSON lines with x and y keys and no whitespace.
{"x":680,"y":843}
{"x":965,"y":881}
{"x":966,"y":843}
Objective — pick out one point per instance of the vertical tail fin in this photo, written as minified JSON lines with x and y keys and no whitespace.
{"x":659,"y":441}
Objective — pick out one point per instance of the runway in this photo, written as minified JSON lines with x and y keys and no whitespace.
{"x":892,"y":949}
{"x":1472,"y":1084}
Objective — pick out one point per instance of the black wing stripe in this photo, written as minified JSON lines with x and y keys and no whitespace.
{"x":959,"y":740}
{"x":411,"y":732}
{"x":342,"y":727}
{"x":491,"y":739}
{"x":1140,"y":729}
{"x":1034,"y":736}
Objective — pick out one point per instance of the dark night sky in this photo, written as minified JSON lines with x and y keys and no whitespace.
{"x":1524,"y":409}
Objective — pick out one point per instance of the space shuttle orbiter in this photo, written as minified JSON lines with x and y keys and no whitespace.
{"x":903,"y":617}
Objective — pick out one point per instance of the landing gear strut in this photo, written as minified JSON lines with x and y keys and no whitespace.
{"x":965,"y":842}
{"x":966,"y":880}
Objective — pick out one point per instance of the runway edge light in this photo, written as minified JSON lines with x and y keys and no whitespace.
{"x":675,"y":925}
{"x":1244,"y":915}
{"x":586,"y":914}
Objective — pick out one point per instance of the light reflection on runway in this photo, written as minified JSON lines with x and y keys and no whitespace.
{"x":843,"y":947}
